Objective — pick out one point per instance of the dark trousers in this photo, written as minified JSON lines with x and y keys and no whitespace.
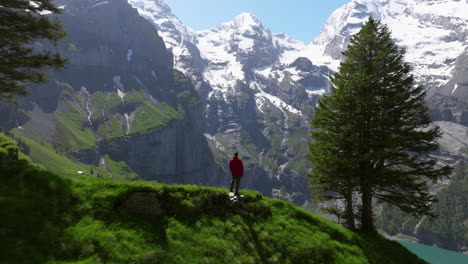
{"x":236,"y":180}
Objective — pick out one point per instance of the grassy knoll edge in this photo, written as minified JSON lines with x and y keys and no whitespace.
{"x":48,"y":218}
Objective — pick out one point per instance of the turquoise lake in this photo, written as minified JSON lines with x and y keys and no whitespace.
{"x":435,"y":255}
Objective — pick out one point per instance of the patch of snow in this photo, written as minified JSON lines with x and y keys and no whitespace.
{"x":223,"y":70}
{"x":154,"y":75}
{"x":176,"y":35}
{"x":119,"y":87}
{"x":129,"y":55}
{"x":45,"y":12}
{"x":415,"y":231}
{"x":221,"y":46}
{"x":208,"y":136}
{"x":121,"y":94}
{"x":102,"y":161}
{"x":128,"y":123}
{"x":217,"y":144}
{"x":455,"y":88}
{"x":35,"y":5}
{"x":100,"y":4}
{"x":280,"y":104}
{"x":293,"y":74}
{"x":287,"y":43}
{"x":259,"y":102}
{"x":313,"y":91}
{"x":246,"y":44}
{"x":264,"y":71}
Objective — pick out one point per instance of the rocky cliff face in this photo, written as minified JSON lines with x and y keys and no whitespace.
{"x":450,"y":102}
{"x":120,"y":99}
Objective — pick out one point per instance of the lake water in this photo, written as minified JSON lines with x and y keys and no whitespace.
{"x":435,"y":255}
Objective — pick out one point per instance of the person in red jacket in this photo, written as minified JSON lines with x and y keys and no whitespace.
{"x":237,"y":171}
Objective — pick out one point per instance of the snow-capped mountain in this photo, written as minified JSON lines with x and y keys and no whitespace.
{"x":179,"y":39}
{"x":224,"y":54}
{"x":234,"y":48}
{"x":260,"y":88}
{"x":434,"y":35}
{"x":254,"y":103}
{"x":433,"y":32}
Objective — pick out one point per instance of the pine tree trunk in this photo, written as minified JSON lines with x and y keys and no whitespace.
{"x":349,"y":214}
{"x":367,"y":221}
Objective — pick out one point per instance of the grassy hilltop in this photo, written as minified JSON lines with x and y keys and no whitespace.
{"x":48,"y":218}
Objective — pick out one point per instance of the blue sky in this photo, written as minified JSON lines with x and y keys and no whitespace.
{"x":300,"y":19}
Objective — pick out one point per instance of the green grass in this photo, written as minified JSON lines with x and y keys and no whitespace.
{"x":135,"y":97}
{"x":108,"y":125}
{"x":113,"y":101}
{"x":116,"y":129}
{"x":198,"y":225}
{"x":70,"y":130}
{"x":150,"y":118}
{"x":51,"y":160}
{"x":172,"y":112}
{"x":98,"y":99}
{"x":7,"y":146}
{"x":52,"y":219}
{"x":57,"y":163}
{"x":120,"y":170}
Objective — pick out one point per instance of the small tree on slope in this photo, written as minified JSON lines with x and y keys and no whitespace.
{"x":22,"y":23}
{"x":372,"y":135}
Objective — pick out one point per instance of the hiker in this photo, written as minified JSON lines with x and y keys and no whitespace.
{"x":237,"y":171}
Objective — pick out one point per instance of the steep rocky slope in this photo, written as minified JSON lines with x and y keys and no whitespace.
{"x":119,"y":100}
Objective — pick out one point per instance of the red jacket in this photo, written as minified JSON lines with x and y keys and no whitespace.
{"x":236,"y":167}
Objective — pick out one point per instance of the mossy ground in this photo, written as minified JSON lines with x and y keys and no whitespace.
{"x":52,"y":219}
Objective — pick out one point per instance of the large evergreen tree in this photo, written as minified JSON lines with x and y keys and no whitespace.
{"x":372,"y":135}
{"x":22,"y":61}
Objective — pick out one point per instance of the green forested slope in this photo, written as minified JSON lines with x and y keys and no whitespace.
{"x":450,"y":229}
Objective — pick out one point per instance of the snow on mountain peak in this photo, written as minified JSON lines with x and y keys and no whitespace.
{"x":234,"y":47}
{"x":244,"y":24}
{"x":247,"y":19}
{"x":175,"y":34}
{"x":156,"y":7}
{"x":432,"y":31}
